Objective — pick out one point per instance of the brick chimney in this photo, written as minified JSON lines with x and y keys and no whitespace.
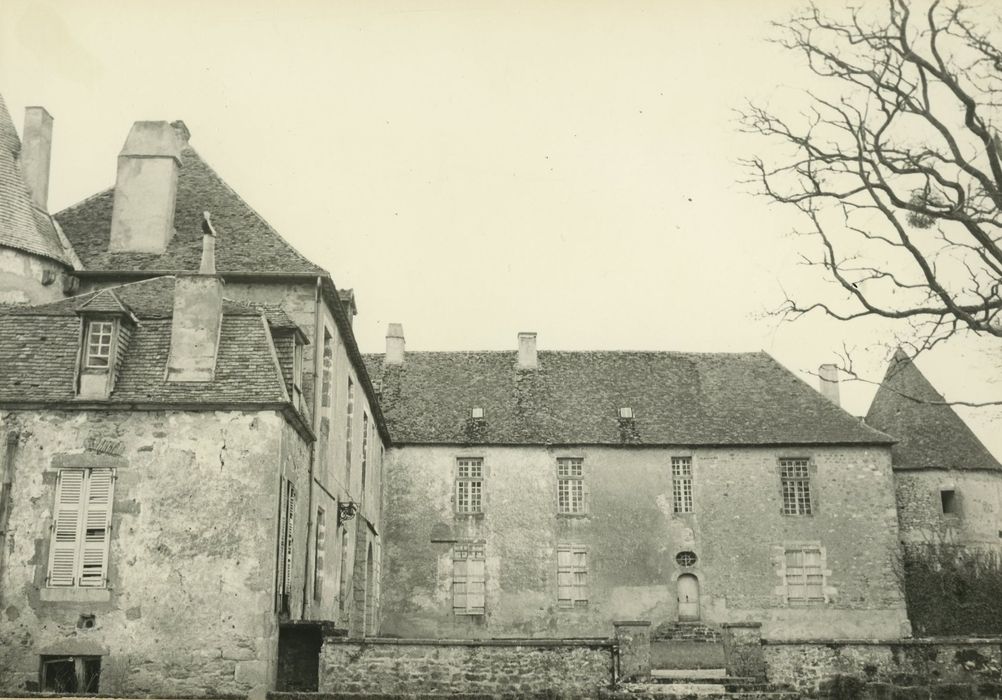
{"x":142,"y":219}
{"x":36,"y":154}
{"x":527,"y":351}
{"x":394,"y":345}
{"x":828,"y":383}
{"x":197,"y":318}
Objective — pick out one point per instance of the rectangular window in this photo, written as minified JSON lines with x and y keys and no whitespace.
{"x":342,"y":592}
{"x":318,"y":555}
{"x":71,"y":674}
{"x":365,"y":449}
{"x":81,"y":528}
{"x":286,"y":546}
{"x":681,"y":484}
{"x":796,"y":481}
{"x":328,"y":370}
{"x":468,"y":578}
{"x":99,"y":335}
{"x":948,"y":499}
{"x":347,"y":434}
{"x":469,"y":485}
{"x":572,"y":575}
{"x":805,"y":581}
{"x":570,"y":485}
{"x":297,"y":373}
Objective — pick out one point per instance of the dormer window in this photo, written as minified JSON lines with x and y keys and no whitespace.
{"x":477,"y":413}
{"x":626,"y":413}
{"x":99,"y":337}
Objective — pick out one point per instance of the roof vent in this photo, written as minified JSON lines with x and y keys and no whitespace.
{"x":477,"y":413}
{"x":626,"y":412}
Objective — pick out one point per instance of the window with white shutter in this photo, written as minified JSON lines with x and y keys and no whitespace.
{"x":285,"y":544}
{"x":81,"y":528}
{"x":468,"y":578}
{"x":572,"y":575}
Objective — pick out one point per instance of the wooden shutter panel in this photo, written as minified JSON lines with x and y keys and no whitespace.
{"x":97,"y":528}
{"x":290,"y":511}
{"x":475,"y":585}
{"x":66,"y":523}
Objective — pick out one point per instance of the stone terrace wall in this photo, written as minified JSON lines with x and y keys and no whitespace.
{"x":971,"y":667}
{"x":510,"y":667}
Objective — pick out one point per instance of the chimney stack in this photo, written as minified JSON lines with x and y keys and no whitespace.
{"x":527,"y":351}
{"x":142,"y":218}
{"x":36,"y":154}
{"x":394,"y":345}
{"x":197,"y":318}
{"x":828,"y":383}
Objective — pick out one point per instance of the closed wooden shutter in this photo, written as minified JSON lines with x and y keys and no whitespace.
{"x":96,"y":528}
{"x":290,"y":521}
{"x":66,"y":523}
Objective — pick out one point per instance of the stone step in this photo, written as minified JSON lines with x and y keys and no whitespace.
{"x":699,"y":691}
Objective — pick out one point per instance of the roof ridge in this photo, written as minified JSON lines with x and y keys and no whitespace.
{"x":254,"y":211}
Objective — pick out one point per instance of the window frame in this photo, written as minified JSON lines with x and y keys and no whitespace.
{"x":84,"y":545}
{"x":682,"y":493}
{"x":571,"y":490}
{"x":577,"y":569}
{"x":796,"y":491}
{"x":464,"y":553}
{"x":804,"y":576}
{"x":469,"y":486}
{"x":89,"y":325}
{"x":319,"y":554}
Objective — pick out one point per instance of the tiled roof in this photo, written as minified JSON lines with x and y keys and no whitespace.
{"x":22,"y":226}
{"x":39,"y":344}
{"x":247,"y":243}
{"x":575,"y":397}
{"x":929,"y":432}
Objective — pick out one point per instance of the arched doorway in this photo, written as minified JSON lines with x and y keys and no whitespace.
{"x":370,"y":599}
{"x":687,"y":588}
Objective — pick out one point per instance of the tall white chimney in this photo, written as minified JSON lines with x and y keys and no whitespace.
{"x":36,"y":154}
{"x":828,"y":383}
{"x":527,"y":351}
{"x":394,"y":345}
{"x":142,"y":218}
{"x":197,"y":319}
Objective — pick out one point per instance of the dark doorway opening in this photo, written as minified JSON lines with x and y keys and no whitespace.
{"x":299,"y":658}
{"x":71,"y":674}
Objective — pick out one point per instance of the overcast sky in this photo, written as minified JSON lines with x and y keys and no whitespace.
{"x":474,"y":169}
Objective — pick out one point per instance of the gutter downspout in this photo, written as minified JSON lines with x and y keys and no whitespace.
{"x":6,"y":483}
{"x":317,"y":359}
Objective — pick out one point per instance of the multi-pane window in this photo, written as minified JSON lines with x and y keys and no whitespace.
{"x":570,"y":485}
{"x":99,"y":335}
{"x":470,"y":485}
{"x":319,"y":547}
{"x":468,"y":578}
{"x":343,"y":571}
{"x":328,"y":370}
{"x":681,"y":484}
{"x":286,"y":546}
{"x":365,"y":449}
{"x":795,"y":476}
{"x":81,"y":528}
{"x":805,"y":581}
{"x":347,"y":439}
{"x":572,"y":575}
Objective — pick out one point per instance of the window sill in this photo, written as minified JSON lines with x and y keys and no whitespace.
{"x":573,"y":515}
{"x":473,"y":516}
{"x":75,"y":595}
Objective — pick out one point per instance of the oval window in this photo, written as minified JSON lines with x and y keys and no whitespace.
{"x":685,"y":558}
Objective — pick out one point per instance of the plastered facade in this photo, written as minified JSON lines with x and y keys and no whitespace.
{"x":190,"y":604}
{"x":22,"y":275}
{"x":977,"y":505}
{"x":632,"y":536}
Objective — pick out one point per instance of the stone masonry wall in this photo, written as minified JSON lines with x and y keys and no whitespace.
{"x":190,"y":605}
{"x":561,"y":668}
{"x":737,"y":532}
{"x":826,"y":667}
{"x":979,"y":502}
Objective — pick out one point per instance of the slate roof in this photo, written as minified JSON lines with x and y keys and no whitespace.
{"x":574,"y":398}
{"x":928,"y":434}
{"x":246,"y":243}
{"x":22,"y":226}
{"x":38,"y":352}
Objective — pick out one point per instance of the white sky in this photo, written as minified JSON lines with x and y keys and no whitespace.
{"x":473,"y":169}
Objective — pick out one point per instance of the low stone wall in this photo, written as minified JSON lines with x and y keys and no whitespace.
{"x":509,"y":667}
{"x":860,"y":668}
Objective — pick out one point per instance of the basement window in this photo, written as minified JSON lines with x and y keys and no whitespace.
{"x":71,"y":674}
{"x":950,"y":502}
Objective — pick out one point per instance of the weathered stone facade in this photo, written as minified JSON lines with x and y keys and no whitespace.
{"x":736,"y":531}
{"x":489,"y":668}
{"x":189,"y":607}
{"x":976,"y":502}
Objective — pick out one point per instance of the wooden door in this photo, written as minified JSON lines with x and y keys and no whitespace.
{"x":688,"y":597}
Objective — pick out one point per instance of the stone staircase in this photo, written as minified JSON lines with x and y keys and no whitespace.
{"x":704,"y":684}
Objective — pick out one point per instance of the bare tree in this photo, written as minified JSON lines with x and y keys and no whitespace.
{"x":894,"y":163}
